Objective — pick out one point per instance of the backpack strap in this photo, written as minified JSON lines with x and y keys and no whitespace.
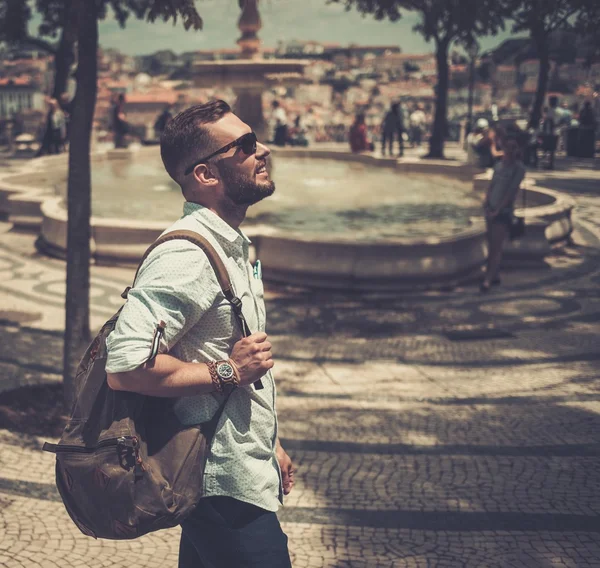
{"x":215,"y":261}
{"x":201,"y":242}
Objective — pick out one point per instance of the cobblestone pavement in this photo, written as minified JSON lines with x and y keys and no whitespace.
{"x":434,"y":429}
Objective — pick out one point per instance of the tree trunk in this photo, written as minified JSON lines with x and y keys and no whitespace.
{"x":77,"y":324}
{"x":440,"y":121}
{"x":541,"y":42}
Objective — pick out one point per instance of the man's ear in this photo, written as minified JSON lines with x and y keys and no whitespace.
{"x":203,"y":175}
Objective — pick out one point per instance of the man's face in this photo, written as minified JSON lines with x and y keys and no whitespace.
{"x":245,"y":178}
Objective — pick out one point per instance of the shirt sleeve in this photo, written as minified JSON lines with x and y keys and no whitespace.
{"x":176,"y":285}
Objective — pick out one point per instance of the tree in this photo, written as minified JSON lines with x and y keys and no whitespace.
{"x":86,"y":16}
{"x":76,"y":21}
{"x":587,"y":26}
{"x":541,"y":18}
{"x":446,"y":22}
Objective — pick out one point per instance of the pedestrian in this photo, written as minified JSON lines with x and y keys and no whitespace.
{"x":392,"y":126}
{"x":359,"y":140}
{"x":477,"y":145}
{"x":221,"y":169}
{"x":280,"y":128}
{"x":119,"y":122}
{"x":58,"y":126}
{"x":162,"y":120}
{"x":586,"y":116}
{"x":548,"y":136}
{"x":417,"y":123}
{"x":67,"y":105}
{"x":499,"y":206}
{"x":401,"y":132}
{"x":46,"y":145}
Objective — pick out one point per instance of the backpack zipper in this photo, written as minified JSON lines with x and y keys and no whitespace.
{"x":126,"y":441}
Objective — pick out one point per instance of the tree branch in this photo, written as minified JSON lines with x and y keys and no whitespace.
{"x":41,"y":43}
{"x":558,"y":23}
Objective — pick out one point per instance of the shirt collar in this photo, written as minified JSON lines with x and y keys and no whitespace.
{"x":214,"y":223}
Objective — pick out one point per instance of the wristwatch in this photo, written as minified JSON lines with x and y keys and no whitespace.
{"x":224,"y":375}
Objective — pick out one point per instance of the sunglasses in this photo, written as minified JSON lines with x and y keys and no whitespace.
{"x":247,"y":143}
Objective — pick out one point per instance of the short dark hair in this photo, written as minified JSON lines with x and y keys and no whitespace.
{"x":184,"y":139}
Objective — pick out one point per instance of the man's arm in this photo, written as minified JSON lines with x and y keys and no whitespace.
{"x":166,"y":376}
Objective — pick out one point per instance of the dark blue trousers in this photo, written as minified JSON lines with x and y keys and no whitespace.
{"x":223,"y":532}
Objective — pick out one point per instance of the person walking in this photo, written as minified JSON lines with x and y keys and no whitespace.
{"x":401,"y":130}
{"x":499,"y":206}
{"x":119,"y":122}
{"x":548,"y":136}
{"x":202,"y":357}
{"x":478,"y":148}
{"x":58,"y":126}
{"x":162,"y":120}
{"x":280,"y":126}
{"x":587,"y":118}
{"x":393,"y":125}
{"x":417,"y":123}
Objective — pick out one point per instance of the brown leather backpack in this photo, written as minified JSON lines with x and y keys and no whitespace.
{"x":125,"y":466}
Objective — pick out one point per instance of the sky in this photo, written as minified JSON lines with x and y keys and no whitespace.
{"x":282,"y":20}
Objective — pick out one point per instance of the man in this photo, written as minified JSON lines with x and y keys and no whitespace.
{"x":417,"y":123}
{"x":119,"y":122}
{"x":163,"y":119}
{"x":393,"y":125}
{"x":280,"y":129}
{"x":550,"y":130}
{"x":58,"y":126}
{"x":221,"y":169}
{"x":478,"y":145}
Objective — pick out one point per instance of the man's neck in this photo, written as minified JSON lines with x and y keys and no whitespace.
{"x":232,"y":214}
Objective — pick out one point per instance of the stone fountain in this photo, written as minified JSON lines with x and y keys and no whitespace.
{"x":333,"y":234}
{"x":251,"y":74}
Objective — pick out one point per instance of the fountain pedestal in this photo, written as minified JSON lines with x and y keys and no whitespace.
{"x":250,"y":75}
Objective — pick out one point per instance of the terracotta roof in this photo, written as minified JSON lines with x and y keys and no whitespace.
{"x":409,"y":56}
{"x":22,"y":81}
{"x":153,"y":97}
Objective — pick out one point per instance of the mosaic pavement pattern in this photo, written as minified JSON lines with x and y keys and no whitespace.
{"x":432,"y":429}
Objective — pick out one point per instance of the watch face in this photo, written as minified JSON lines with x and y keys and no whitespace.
{"x":225,"y":370}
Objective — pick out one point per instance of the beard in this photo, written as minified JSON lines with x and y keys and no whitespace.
{"x":243,"y":189}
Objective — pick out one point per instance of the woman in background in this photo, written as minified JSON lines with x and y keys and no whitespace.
{"x":359,"y":141}
{"x":499,"y":206}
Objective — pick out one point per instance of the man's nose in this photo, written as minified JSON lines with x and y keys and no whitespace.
{"x":262,"y":151}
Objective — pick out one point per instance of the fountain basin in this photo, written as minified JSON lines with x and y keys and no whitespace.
{"x":320,"y":259}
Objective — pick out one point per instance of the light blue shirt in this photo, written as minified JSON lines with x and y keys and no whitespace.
{"x":177,"y":285}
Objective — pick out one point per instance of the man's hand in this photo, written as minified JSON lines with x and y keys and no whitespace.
{"x":287,"y":468}
{"x":253,"y":358}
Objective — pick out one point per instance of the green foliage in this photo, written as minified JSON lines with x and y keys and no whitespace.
{"x":542,"y":17}
{"x":587,"y":24}
{"x":444,"y":21}
{"x":152,"y":10}
{"x":15,"y":15}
